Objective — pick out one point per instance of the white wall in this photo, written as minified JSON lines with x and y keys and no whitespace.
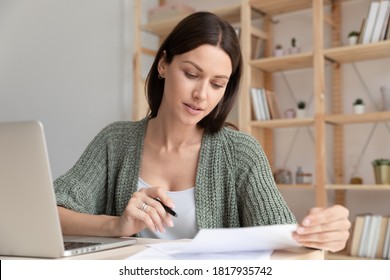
{"x":67,"y":64}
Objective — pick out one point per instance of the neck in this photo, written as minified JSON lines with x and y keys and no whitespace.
{"x":172,"y":136}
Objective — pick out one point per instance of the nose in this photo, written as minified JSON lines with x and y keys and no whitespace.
{"x":200,"y":91}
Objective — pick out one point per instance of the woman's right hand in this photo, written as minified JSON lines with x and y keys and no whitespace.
{"x":143,"y":211}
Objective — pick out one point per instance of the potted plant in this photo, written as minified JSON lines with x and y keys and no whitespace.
{"x":294,"y":49}
{"x":278,"y":50}
{"x":358,"y":106}
{"x":301,"y":111}
{"x":381,"y":170}
{"x":353,"y":37}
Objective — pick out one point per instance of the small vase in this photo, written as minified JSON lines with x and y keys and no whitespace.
{"x":353,"y":40}
{"x":289,"y":114}
{"x":301,"y":113}
{"x":278,"y":52}
{"x":358,"y":109}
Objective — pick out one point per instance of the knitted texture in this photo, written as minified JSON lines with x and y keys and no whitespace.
{"x":234,"y":184}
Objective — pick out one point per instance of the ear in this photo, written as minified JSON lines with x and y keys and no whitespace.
{"x":162,"y":64}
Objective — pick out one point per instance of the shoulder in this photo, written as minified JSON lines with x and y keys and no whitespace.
{"x":120,"y":129}
{"x":124,"y":126}
{"x":240,"y":146}
{"x":239,"y":140}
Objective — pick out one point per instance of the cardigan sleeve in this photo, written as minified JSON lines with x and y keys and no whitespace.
{"x":260,"y":202}
{"x":83,"y":187}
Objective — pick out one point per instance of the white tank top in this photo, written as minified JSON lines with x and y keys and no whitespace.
{"x":185,"y":224}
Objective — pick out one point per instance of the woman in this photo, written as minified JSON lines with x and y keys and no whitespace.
{"x":184,"y":155}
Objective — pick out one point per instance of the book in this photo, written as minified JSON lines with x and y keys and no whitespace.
{"x":255,"y":104}
{"x":272,"y":105}
{"x":363,"y":244}
{"x":386,"y":246}
{"x":381,"y":21}
{"x":265,"y":104}
{"x":257,"y":47}
{"x":386,"y":23}
{"x":373,"y":236}
{"x":387,"y":30}
{"x":370,"y":21}
{"x":356,"y":235}
{"x":382,"y":236}
{"x":260,"y":104}
{"x":362,"y":27}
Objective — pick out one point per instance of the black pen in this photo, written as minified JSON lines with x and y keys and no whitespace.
{"x":167,"y":209}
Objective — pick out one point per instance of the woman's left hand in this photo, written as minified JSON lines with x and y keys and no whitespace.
{"x":324,"y":228}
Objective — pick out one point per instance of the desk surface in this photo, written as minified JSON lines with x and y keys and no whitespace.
{"x":125,"y":252}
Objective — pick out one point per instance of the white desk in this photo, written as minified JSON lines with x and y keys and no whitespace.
{"x":125,"y":252}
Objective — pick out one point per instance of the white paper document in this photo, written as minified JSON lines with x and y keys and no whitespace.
{"x":156,"y":254}
{"x":230,"y":240}
{"x":250,"y":243}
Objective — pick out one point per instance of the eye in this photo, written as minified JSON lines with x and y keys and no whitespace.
{"x":190,"y":75}
{"x":217,"y":86}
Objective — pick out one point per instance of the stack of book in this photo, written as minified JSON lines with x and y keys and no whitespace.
{"x":375,"y":27}
{"x":264,"y":104}
{"x":370,"y":237}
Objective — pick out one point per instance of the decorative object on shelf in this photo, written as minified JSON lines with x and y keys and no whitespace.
{"x":289,"y":114}
{"x":278,"y":50}
{"x":353,"y":37}
{"x":381,"y":171}
{"x":301,"y":111}
{"x":283,"y":176}
{"x":307,"y":178}
{"x":299,"y":177}
{"x":294,"y":49}
{"x":169,"y":11}
{"x":358,"y":106}
{"x":356,"y":179}
{"x":385,"y":98}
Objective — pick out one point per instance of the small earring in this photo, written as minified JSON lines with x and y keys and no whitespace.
{"x":161,"y":77}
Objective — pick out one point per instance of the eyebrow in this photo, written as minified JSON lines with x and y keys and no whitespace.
{"x":201,"y":70}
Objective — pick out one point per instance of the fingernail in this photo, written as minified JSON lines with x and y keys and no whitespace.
{"x":170,"y":224}
{"x":295,"y":237}
{"x":306,"y":222}
{"x":300,"y":230}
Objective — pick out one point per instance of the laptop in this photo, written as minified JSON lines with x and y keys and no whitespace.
{"x":29,"y":220}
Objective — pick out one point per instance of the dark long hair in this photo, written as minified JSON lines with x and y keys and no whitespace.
{"x":198,"y":29}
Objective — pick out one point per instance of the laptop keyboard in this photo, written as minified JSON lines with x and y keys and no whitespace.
{"x":69,"y":245}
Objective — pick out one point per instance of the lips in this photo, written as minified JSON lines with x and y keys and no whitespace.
{"x":194,"y":110}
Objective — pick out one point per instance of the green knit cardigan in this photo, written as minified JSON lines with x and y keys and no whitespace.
{"x":234,"y":184}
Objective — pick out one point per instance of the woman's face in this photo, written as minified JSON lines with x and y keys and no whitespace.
{"x":194,"y":83}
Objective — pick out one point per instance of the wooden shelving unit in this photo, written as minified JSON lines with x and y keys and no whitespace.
{"x":264,"y":68}
{"x":274,"y":64}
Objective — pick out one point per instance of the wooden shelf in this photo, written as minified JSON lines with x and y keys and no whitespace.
{"x":163,"y":27}
{"x":281,"y":6}
{"x":348,"y":54}
{"x":342,"y":255}
{"x":295,"y":186}
{"x":366,"y":187}
{"x":281,"y":123}
{"x":358,"y":118}
{"x":287,"y":62}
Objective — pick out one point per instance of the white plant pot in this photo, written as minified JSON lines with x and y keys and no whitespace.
{"x":358,"y":109}
{"x":353,"y":40}
{"x":301,"y":113}
{"x":278,"y":52}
